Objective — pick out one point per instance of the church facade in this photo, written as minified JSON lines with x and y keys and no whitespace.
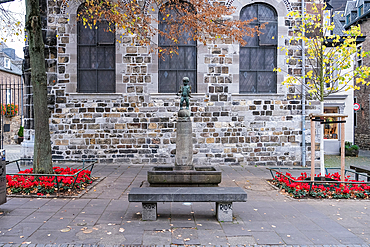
{"x":112,"y":100}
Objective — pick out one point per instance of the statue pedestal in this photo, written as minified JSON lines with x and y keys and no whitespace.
{"x":184,"y":173}
{"x":184,"y":143}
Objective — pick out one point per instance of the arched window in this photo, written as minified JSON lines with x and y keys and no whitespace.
{"x":258,"y":58}
{"x":95,"y":57}
{"x":171,"y":69}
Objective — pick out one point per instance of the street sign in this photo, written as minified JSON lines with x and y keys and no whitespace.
{"x":356,"y":106}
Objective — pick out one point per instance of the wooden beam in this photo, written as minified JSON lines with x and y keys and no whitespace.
{"x":312,"y":150}
{"x":342,"y":151}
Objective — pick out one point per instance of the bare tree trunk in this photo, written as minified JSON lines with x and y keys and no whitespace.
{"x":42,"y":152}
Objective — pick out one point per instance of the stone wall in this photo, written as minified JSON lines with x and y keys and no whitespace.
{"x":362,"y":129}
{"x":14,"y":123}
{"x":138,"y":125}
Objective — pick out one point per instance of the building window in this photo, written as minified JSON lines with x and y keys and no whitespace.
{"x":258,"y":58}
{"x":331,"y":129}
{"x":6,"y":63}
{"x":8,"y":96}
{"x":348,"y":19}
{"x":171,"y":69}
{"x":360,"y":10}
{"x":95,"y":57}
{"x":359,"y":57}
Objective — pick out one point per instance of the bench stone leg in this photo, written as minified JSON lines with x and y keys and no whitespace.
{"x":224,"y":211}
{"x":149,"y":211}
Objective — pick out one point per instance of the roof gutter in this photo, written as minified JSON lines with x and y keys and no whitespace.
{"x":355,"y":21}
{"x":10,"y":72}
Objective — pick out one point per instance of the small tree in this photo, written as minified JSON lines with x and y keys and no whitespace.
{"x":10,"y":25}
{"x":42,"y":150}
{"x":330,"y":58}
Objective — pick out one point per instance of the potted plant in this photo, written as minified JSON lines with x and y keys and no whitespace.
{"x":351,"y":150}
{"x":20,"y":134}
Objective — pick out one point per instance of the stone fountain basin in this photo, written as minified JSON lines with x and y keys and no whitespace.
{"x":168,"y":176}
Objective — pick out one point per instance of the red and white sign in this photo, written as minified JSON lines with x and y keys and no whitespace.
{"x":356,"y":106}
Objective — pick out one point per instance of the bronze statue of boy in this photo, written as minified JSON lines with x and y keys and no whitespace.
{"x":185,"y":91}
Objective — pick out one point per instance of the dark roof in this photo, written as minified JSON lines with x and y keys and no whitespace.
{"x":338,"y":5}
{"x":15,"y":61}
{"x":339,"y":21}
{"x":359,"y":19}
{"x":15,"y":67}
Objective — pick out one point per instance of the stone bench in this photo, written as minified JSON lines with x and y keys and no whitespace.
{"x":223,"y":196}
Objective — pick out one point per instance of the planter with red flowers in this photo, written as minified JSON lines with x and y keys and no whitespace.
{"x":329,"y":187}
{"x":65,"y":181}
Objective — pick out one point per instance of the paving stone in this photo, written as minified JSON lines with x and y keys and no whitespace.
{"x":268,"y":238}
{"x":320,"y":237}
{"x":241,"y":240}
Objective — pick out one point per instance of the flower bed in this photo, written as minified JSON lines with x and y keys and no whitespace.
{"x":47,"y":185}
{"x":297,"y":189}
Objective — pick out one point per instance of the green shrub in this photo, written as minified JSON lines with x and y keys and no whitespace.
{"x":20,"y":131}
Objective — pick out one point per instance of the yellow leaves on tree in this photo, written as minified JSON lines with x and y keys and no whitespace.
{"x":330,"y":58}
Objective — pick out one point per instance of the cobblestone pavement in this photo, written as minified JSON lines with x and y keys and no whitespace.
{"x":103,"y":216}
{"x":12,"y":152}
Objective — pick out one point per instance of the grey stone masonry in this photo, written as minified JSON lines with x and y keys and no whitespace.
{"x":362,"y":96}
{"x":223,"y":196}
{"x":224,"y":211}
{"x":137,"y":123}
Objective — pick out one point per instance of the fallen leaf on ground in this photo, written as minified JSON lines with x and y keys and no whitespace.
{"x":65,"y":230}
{"x":121,"y":230}
{"x":21,"y":236}
{"x":87,"y":231}
{"x":109,"y":233}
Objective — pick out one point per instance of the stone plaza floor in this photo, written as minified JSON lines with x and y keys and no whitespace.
{"x":103,"y":216}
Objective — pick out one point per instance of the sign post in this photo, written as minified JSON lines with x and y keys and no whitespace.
{"x":2,"y":177}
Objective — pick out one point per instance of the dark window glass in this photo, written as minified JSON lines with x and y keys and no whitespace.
{"x":258,"y":58}
{"x":96,"y":57}
{"x":172,"y":69}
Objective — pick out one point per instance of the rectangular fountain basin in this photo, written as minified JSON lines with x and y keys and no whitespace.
{"x":200,"y":176}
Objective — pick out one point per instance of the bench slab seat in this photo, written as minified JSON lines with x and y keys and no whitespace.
{"x":223,"y":196}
